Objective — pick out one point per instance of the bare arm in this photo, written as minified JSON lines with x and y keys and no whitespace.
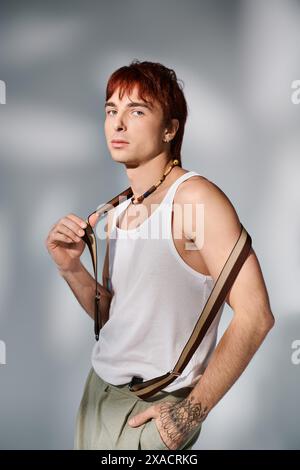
{"x":65,"y":247}
{"x":82,"y":284}
{"x":252,"y":319}
{"x":248,"y":298}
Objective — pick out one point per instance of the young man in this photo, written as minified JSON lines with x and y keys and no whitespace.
{"x":154,"y":288}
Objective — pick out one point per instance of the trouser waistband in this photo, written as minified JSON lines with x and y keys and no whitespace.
{"x":179,"y":393}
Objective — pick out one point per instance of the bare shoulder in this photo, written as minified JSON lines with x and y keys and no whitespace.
{"x":215,"y":237}
{"x":211,"y":220}
{"x":216,"y":204}
{"x":200,"y":189}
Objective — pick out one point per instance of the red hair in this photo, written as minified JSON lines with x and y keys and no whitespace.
{"x":155,"y":82}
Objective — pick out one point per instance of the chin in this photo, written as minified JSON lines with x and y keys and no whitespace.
{"x":118,"y":157}
{"x":128,"y":162}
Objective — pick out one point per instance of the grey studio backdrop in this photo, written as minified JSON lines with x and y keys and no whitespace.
{"x":238,"y":61}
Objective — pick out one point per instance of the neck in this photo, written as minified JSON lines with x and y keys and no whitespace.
{"x":143,"y":176}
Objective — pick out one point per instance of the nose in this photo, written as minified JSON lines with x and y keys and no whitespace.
{"x":119,"y":127}
{"x":119,"y":124}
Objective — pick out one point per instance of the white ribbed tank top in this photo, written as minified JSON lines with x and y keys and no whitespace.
{"x":156,"y":303}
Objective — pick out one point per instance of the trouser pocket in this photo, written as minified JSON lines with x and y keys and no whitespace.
{"x":150,"y":438}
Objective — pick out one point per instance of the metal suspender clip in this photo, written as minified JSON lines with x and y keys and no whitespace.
{"x":175,"y":373}
{"x":135,"y":380}
{"x":96,"y":314}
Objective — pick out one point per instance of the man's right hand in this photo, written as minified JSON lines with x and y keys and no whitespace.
{"x":64,"y":241}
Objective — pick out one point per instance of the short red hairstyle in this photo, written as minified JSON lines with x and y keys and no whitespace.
{"x":155,"y":82}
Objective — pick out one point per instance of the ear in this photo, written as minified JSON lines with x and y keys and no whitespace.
{"x":174,"y":126}
{"x":171,"y":129}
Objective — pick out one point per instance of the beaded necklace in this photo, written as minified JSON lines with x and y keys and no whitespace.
{"x":140,"y":199}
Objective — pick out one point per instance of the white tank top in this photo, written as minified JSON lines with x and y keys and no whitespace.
{"x":156,"y":303}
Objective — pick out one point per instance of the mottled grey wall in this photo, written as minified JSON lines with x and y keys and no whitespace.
{"x":238,"y":60}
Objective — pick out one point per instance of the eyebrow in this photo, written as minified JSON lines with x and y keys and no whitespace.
{"x":129,"y":105}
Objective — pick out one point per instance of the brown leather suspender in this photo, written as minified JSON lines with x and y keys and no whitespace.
{"x":215,"y":300}
{"x":90,"y":239}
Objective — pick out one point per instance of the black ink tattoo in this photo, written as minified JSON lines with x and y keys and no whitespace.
{"x":179,"y":421}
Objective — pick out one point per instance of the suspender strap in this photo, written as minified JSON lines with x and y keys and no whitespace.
{"x":217,"y":296}
{"x":90,"y":239}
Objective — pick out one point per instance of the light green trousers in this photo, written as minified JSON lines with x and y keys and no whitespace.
{"x":104,"y":411}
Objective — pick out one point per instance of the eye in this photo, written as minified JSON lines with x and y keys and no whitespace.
{"x":137,"y":111}
{"x":113,"y":111}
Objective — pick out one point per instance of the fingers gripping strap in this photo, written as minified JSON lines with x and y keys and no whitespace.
{"x":90,"y":239}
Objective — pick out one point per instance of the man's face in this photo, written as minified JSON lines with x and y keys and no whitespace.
{"x":141,"y":125}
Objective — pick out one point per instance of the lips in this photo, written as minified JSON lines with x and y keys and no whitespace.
{"x":119,"y":141}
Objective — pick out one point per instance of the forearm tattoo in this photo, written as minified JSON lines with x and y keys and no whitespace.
{"x":181,"y":419}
